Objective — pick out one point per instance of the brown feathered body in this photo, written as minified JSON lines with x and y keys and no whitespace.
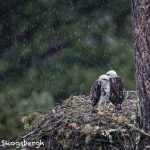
{"x":95,"y":92}
{"x":117,"y":92}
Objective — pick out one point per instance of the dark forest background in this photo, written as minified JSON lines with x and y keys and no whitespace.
{"x":51,"y":49}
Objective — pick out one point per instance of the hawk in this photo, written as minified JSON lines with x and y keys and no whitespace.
{"x":100,"y":92}
{"x":117,"y":93}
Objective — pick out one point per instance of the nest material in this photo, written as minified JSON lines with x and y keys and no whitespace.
{"x":72,"y":126}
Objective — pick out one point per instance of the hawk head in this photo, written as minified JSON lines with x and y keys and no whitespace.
{"x":112,"y":74}
{"x":104,"y":79}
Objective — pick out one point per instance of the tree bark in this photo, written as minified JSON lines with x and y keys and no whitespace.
{"x":141,"y":46}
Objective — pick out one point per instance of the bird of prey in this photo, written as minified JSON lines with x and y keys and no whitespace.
{"x":100,"y":92}
{"x":117,"y":92}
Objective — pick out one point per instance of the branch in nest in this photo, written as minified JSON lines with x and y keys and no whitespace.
{"x":137,"y":129}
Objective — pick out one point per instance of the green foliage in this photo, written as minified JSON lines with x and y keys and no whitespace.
{"x":52,"y":49}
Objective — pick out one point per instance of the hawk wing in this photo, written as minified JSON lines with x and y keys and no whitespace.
{"x":116,"y":91}
{"x":95,"y":92}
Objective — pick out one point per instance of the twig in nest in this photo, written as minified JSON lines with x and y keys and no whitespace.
{"x":147,"y":147}
{"x":30,"y":133}
{"x":137,"y":129}
{"x":57,"y":121}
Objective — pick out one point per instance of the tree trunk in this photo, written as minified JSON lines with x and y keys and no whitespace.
{"x":141,"y":45}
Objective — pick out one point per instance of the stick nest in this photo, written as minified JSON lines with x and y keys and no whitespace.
{"x":72,"y":126}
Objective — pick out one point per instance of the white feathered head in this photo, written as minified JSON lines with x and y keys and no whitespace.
{"x":103,"y":78}
{"x":112,"y":74}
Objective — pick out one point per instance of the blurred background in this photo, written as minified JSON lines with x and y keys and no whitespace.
{"x":51,"y":49}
